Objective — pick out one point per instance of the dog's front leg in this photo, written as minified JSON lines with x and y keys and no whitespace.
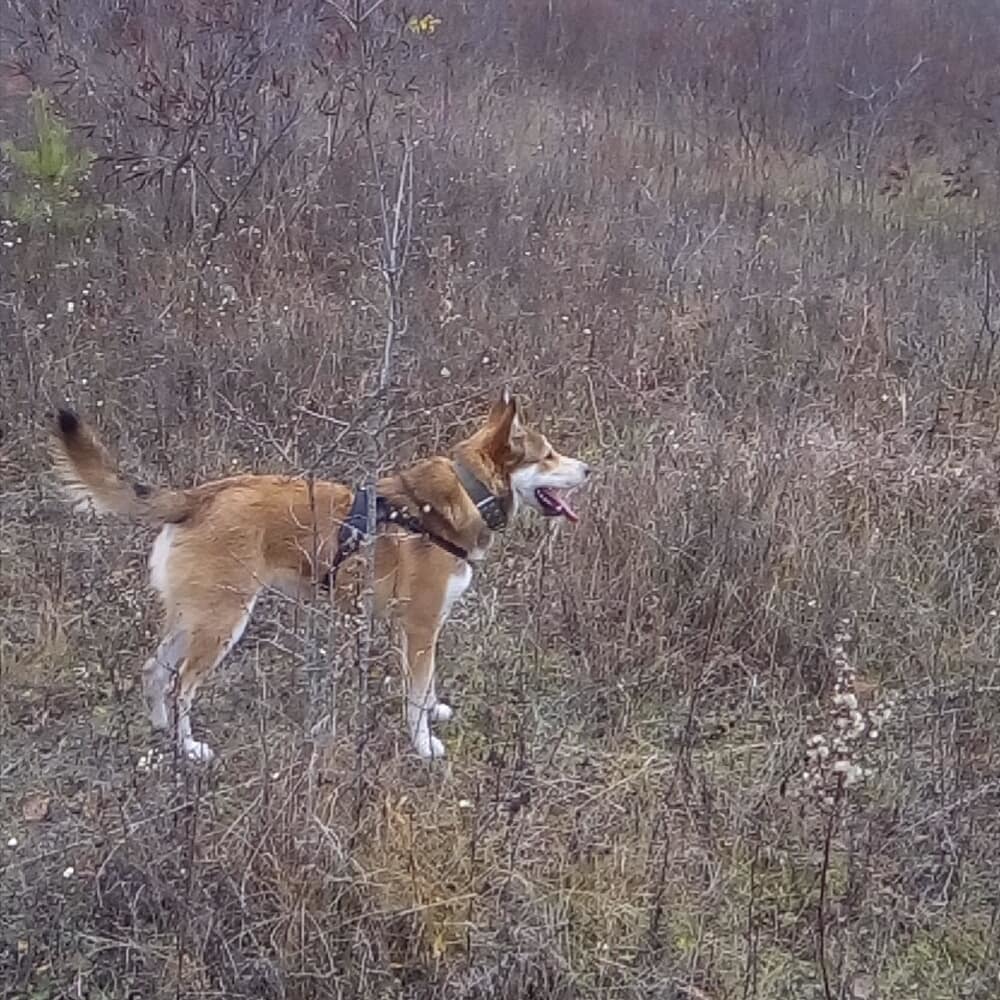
{"x":420,"y":699}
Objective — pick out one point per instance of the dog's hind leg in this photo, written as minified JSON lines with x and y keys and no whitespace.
{"x":159,"y":674}
{"x":211,"y":638}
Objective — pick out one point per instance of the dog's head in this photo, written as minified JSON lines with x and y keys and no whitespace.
{"x":524,"y":465}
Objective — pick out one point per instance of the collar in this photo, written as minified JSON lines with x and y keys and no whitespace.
{"x":492,"y":509}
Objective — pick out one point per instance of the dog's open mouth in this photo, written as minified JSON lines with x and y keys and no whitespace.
{"x":553,"y":504}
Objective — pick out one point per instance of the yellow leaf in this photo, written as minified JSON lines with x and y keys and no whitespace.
{"x":425,"y":25}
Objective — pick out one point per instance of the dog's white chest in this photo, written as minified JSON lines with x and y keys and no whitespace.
{"x":458,"y":584}
{"x":159,"y":557}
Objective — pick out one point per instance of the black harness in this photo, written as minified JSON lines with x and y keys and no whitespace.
{"x":492,"y":509}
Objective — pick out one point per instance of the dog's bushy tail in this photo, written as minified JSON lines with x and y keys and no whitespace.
{"x":93,"y":480}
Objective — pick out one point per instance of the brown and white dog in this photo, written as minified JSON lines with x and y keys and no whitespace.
{"x":221,"y":543}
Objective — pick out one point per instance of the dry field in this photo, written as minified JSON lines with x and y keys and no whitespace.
{"x":736,"y":734}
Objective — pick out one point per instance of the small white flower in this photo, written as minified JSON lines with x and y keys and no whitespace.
{"x":12,"y":842}
{"x":464,"y":804}
{"x":69,"y":872}
{"x":445,"y":371}
{"x":70,"y":306}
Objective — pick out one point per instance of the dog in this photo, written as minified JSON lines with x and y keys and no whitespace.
{"x":223,"y":542}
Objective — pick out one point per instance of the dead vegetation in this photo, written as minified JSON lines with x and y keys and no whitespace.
{"x":743,"y":260}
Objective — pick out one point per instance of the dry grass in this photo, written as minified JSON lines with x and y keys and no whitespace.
{"x":785,"y":369}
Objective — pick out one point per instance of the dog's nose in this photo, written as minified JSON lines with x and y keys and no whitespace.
{"x":586,"y":470}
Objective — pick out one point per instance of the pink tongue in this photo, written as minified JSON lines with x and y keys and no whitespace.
{"x":561,"y":506}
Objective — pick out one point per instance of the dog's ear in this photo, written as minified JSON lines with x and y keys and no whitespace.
{"x":502,"y":406}
{"x":504,"y":422}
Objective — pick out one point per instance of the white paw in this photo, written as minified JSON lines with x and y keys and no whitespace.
{"x":441,"y":712}
{"x":429,"y":747}
{"x":197,"y":751}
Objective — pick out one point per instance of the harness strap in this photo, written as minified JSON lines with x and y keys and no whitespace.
{"x":406,"y":520}
{"x":354,"y":529}
{"x":492,"y":509}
